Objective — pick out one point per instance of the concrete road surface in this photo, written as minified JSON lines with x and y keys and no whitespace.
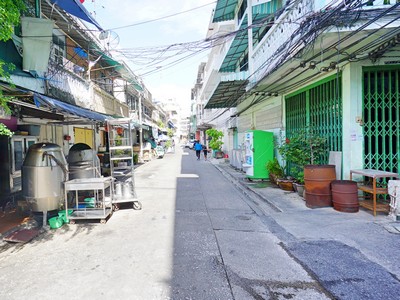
{"x":196,"y":237}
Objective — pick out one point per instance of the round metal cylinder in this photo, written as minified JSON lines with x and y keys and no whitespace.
{"x":317,"y":180}
{"x":83,"y":162}
{"x":43,"y":176}
{"x":345,"y":196}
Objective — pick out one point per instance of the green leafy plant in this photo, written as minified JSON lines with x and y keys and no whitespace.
{"x":10,"y":12}
{"x":168,"y":144}
{"x":216,"y":138}
{"x":170,"y":132}
{"x":5,"y":131}
{"x":274,"y":168}
{"x":305,"y":147}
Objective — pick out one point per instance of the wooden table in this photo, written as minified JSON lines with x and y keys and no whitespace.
{"x":373,"y":189}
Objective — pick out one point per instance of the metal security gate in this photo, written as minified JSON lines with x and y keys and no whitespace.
{"x":319,"y":107}
{"x":381,"y":117}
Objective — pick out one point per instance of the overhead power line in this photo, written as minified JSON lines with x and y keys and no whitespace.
{"x":164,"y":17}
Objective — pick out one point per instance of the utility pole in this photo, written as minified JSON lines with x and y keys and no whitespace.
{"x":37,"y":8}
{"x":140,"y":128}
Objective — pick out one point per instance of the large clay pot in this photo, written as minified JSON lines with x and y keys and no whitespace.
{"x":286,"y":185}
{"x":345,"y":195}
{"x":299,"y":188}
{"x":317,"y":183}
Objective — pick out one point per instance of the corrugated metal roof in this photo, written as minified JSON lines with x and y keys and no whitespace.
{"x":229,"y":90}
{"x":225,"y":10}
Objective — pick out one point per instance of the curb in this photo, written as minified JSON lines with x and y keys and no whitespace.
{"x":247,"y":191}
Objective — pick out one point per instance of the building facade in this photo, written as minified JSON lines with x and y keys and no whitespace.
{"x":327,"y":65}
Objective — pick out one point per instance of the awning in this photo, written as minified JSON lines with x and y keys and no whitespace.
{"x":236,"y":50}
{"x":228,"y":91}
{"x":171,"y":125}
{"x":122,"y":69}
{"x":62,"y":107}
{"x":75,"y":8}
{"x":225,"y":10}
{"x":262,"y":15}
{"x":203,"y":126}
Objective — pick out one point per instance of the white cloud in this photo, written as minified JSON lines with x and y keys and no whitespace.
{"x":170,"y":83}
{"x":193,"y":24}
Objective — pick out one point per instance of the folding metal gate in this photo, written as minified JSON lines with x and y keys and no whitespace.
{"x":381,"y":117}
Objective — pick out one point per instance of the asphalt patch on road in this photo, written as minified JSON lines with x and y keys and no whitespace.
{"x":260,"y":185}
{"x":344,"y":271}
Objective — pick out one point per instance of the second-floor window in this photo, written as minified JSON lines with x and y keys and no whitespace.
{"x":242,"y":10}
{"x":244,"y":63}
{"x":132,"y":102}
{"x":147,"y":111}
{"x":58,"y":49}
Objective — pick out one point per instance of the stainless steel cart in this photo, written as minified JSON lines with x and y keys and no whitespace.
{"x":121,"y":162}
{"x":97,"y":207}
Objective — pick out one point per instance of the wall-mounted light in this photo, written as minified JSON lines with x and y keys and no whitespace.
{"x":332,"y":65}
{"x":312,"y":65}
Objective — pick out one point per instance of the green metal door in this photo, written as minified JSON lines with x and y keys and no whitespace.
{"x":318,"y":106}
{"x":381,"y":117}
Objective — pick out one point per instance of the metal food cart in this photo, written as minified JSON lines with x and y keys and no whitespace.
{"x":121,"y":162}
{"x":97,"y":207}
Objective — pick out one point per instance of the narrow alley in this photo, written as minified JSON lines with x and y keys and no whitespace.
{"x":196,"y":238}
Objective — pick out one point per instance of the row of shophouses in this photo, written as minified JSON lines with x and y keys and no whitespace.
{"x":286,"y":65}
{"x":65,"y":85}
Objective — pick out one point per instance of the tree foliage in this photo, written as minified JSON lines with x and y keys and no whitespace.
{"x":10,"y":12}
{"x":216,"y":138}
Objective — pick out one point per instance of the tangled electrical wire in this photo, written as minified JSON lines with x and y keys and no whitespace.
{"x":309,"y":26}
{"x":334,"y":15}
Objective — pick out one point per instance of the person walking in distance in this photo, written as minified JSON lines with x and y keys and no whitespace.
{"x":205,"y":151}
{"x":198,"y":147}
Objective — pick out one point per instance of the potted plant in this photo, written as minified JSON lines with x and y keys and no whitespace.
{"x":275,"y":170}
{"x":215,"y":142}
{"x":298,"y":185}
{"x":304,"y":152}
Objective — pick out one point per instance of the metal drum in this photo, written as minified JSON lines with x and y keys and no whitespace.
{"x":43,"y":172}
{"x":83,"y":162}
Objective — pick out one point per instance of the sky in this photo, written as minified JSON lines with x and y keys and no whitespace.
{"x":163,"y":82}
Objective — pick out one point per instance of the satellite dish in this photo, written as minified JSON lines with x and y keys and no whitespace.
{"x":109,"y":39}
{"x":103,"y":35}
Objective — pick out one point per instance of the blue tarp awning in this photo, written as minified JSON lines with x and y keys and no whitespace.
{"x":75,"y":8}
{"x":63,"y":107}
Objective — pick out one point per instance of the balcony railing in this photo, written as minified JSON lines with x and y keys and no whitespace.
{"x":66,"y":83}
{"x":267,"y":54}
{"x":62,"y":78}
{"x":107,"y":104}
